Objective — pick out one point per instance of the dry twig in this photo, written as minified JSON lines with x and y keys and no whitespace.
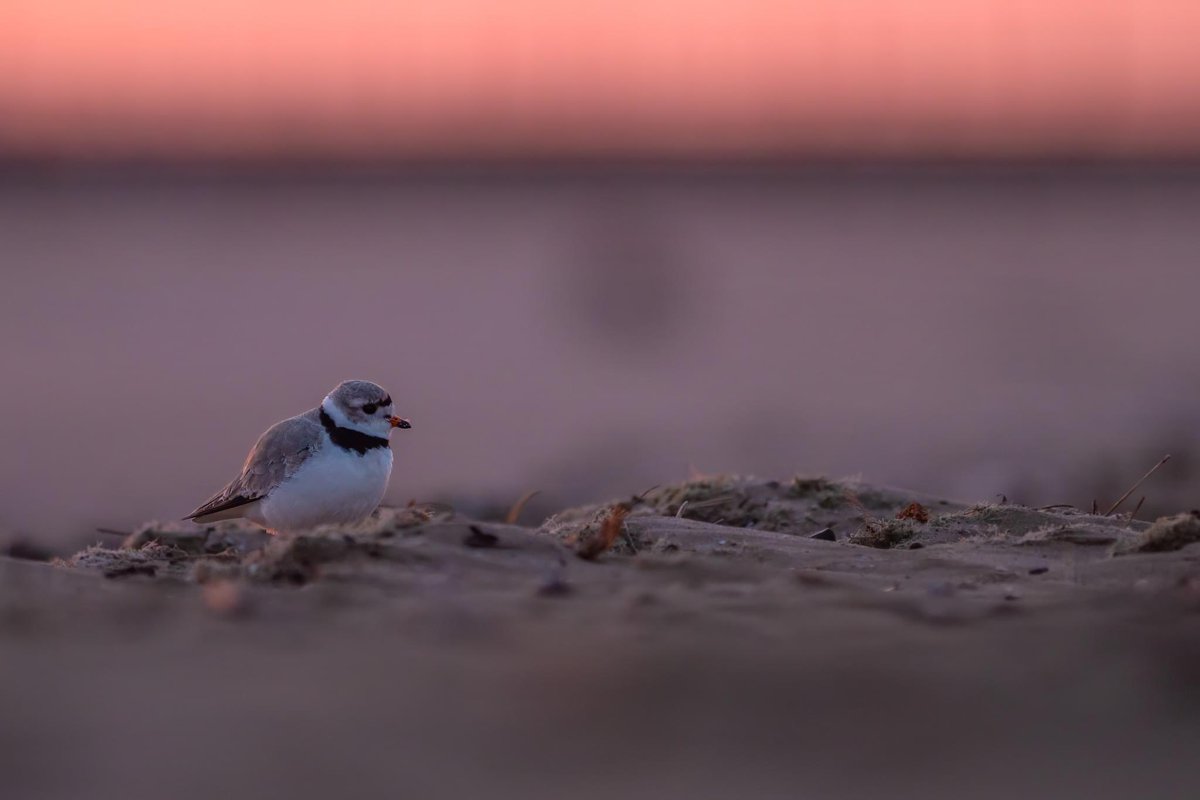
{"x":514,"y":513}
{"x":1134,"y":488}
{"x":1137,"y":508}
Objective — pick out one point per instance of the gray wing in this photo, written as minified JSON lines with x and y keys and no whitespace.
{"x":275,"y":457}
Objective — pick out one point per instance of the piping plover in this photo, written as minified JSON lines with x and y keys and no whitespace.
{"x":328,"y":465}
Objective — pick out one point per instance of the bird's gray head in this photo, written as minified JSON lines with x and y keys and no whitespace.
{"x":363,"y":406}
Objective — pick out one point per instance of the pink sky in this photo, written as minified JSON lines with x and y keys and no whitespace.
{"x":556,"y":77}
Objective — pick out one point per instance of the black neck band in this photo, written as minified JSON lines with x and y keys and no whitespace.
{"x":348,"y":439}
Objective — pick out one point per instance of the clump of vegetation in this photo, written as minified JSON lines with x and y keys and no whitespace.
{"x":798,"y":506}
{"x":1165,"y":535}
{"x":803,"y":486}
{"x":914,"y":511}
{"x":234,"y":536}
{"x":184,"y":536}
{"x":703,"y":499}
{"x":1011,"y":519}
{"x":592,"y":530}
{"x":777,"y":518}
{"x":592,"y":543}
{"x":729,"y":500}
{"x":723,"y":500}
{"x":884,"y":533}
{"x":825,"y":493}
{"x":150,"y":559}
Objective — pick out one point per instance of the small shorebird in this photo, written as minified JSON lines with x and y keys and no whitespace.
{"x":328,"y":465}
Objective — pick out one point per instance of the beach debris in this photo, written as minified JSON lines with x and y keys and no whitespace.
{"x":199,"y":540}
{"x":914,"y":511}
{"x":151,"y":559}
{"x":884,"y":534}
{"x":514,"y":513}
{"x":826,"y":494}
{"x":1112,"y":510}
{"x":799,"y":507}
{"x":824,"y":535}
{"x":480,"y":538}
{"x":594,"y":542}
{"x":1133,"y":514}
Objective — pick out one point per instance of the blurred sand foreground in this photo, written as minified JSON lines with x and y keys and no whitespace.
{"x":715,"y":650}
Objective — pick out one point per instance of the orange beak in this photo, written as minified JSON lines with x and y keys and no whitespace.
{"x":399,"y":422}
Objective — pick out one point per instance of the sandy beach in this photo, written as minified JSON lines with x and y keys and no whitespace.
{"x":713,"y":650}
{"x":747,"y":400}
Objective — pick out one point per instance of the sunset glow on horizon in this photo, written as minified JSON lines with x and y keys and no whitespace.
{"x":537,"y":77}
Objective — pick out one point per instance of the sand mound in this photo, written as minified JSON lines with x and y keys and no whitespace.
{"x":716,"y":616}
{"x":1165,"y":535}
{"x":828,"y":531}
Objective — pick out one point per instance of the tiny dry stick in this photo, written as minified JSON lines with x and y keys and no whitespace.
{"x":709,"y":503}
{"x":1133,"y":488}
{"x":679,"y":513}
{"x":1137,"y":508}
{"x":514,"y":513}
{"x":111,"y":532}
{"x":629,"y":539}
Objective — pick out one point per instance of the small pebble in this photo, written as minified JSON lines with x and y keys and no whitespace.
{"x":1039,"y":570}
{"x":480,"y":538}
{"x":224,"y":598}
{"x":27,"y":550}
{"x":555,"y":587}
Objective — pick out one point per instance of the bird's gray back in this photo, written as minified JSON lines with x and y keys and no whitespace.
{"x":281,"y":451}
{"x":275,"y":457}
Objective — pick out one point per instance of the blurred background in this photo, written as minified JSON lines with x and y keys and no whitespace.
{"x":591,"y":247}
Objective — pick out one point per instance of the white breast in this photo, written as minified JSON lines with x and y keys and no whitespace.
{"x":334,"y":486}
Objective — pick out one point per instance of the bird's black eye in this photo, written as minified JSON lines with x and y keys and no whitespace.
{"x":369,"y":408}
